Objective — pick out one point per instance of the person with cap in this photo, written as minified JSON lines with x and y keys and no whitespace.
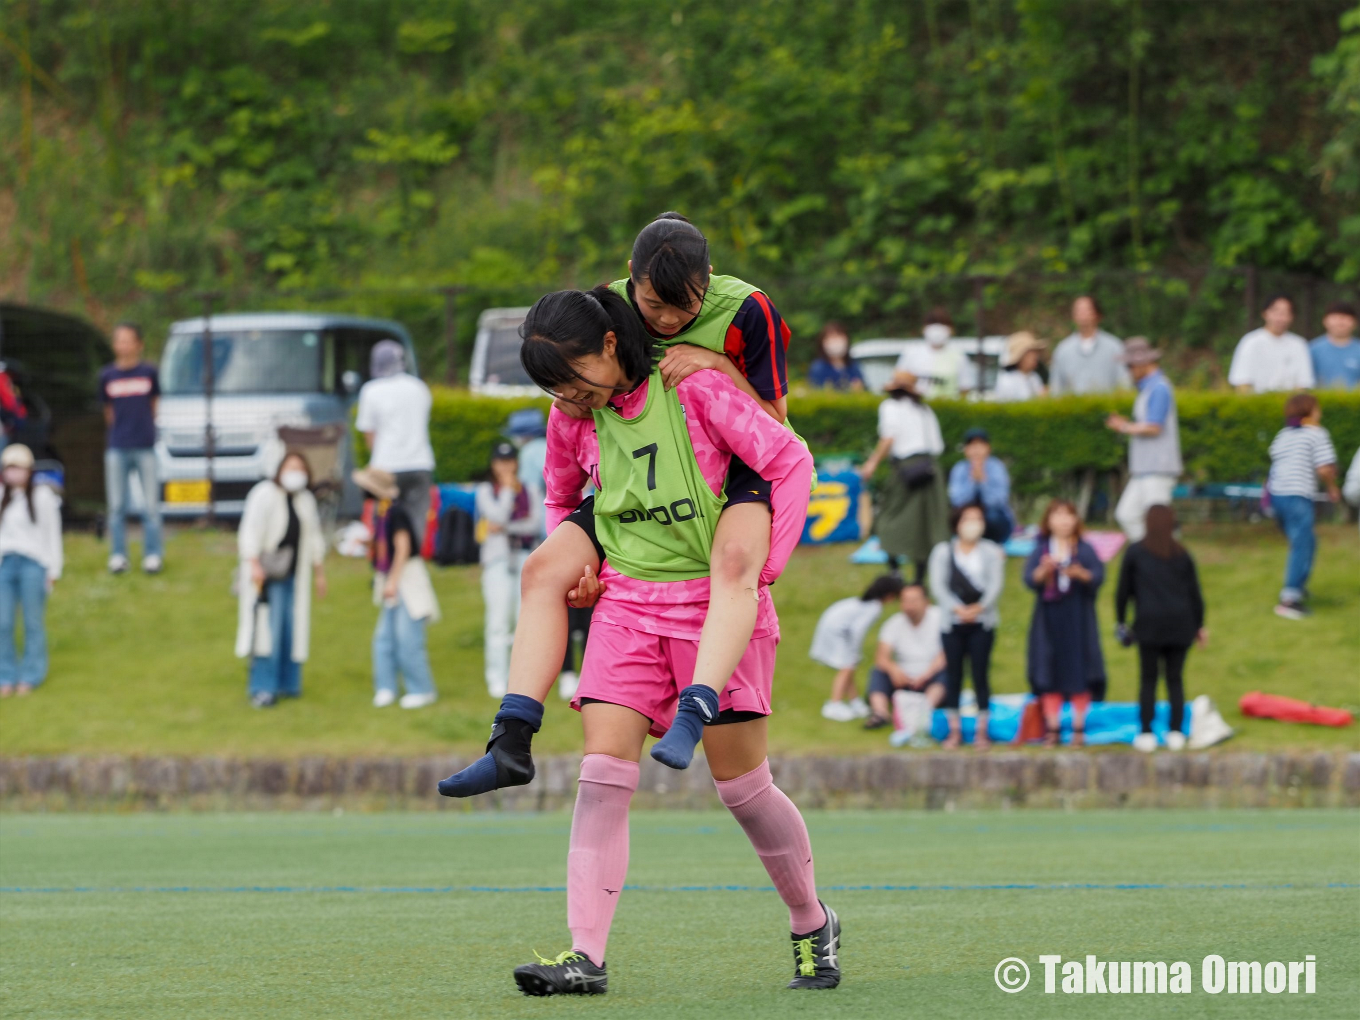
{"x":30,"y":563}
{"x":1087,"y":359}
{"x":394,"y":416}
{"x":940,"y":370}
{"x":1154,"y":439}
{"x":509,"y":520}
{"x":982,"y":480}
{"x":912,"y":516}
{"x":528,"y":430}
{"x":404,"y":596}
{"x":1020,"y":379}
{"x":1336,"y":354}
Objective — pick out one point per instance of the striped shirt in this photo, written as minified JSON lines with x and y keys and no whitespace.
{"x":1295,"y":456}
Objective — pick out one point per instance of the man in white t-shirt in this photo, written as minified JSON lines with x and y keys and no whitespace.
{"x":910,"y":656}
{"x":394,"y":416}
{"x":1272,"y":358}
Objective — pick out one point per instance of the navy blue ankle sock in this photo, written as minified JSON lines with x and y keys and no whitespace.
{"x":507,"y":761}
{"x":698,"y":705}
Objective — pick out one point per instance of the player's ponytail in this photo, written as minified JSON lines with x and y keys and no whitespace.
{"x":568,"y":325}
{"x":672,"y":253}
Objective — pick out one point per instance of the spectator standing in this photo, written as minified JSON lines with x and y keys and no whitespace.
{"x":1154,"y":439}
{"x":1065,"y":662}
{"x":983,"y":479}
{"x":910,"y":656}
{"x":30,"y":564}
{"x":967,"y":574}
{"x":528,"y":430}
{"x":1272,"y":358}
{"x":940,"y":370}
{"x":832,"y":369}
{"x":1020,"y":378}
{"x":913,"y":513}
{"x":509,"y":519}
{"x":130,"y":391}
{"x":838,"y":642}
{"x":1336,"y":354}
{"x":1351,"y":489}
{"x":13,"y":413}
{"x":282,"y":551}
{"x":1300,"y":454}
{"x":1088,"y":359}
{"x":1158,"y":576}
{"x":394,"y":416}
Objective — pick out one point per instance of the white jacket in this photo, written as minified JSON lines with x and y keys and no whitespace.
{"x":263,"y":524}
{"x":36,"y":535}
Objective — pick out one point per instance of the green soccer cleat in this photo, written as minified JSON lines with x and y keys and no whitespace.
{"x":569,"y":974}
{"x":816,"y":956}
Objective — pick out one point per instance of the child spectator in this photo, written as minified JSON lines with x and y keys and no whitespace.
{"x":832,"y":369}
{"x":1300,"y":454}
{"x":839,"y":640}
{"x":910,"y":656}
{"x":30,"y":563}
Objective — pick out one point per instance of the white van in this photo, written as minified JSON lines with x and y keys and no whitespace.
{"x":496,"y":370}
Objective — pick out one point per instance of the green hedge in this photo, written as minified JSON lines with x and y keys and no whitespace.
{"x":1224,"y":436}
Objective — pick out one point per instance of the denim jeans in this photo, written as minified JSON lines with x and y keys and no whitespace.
{"x":1294,"y":514}
{"x":118,"y":464}
{"x":277,"y":673}
{"x":23,"y":585}
{"x":399,"y":647}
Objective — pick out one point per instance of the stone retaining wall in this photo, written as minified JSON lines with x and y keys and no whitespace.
{"x":922,"y":779}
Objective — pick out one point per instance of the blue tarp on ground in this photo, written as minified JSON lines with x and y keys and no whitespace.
{"x":1107,"y":722}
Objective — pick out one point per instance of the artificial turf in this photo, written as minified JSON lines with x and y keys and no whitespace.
{"x":425,"y":915}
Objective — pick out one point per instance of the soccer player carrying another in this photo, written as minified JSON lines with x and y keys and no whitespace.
{"x":659,"y":457}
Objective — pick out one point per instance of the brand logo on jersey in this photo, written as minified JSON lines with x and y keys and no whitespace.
{"x":678,"y":512}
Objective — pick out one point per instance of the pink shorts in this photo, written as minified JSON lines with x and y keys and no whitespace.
{"x":646,"y":672}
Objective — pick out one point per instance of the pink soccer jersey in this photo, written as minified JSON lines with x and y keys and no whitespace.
{"x":723,"y":422}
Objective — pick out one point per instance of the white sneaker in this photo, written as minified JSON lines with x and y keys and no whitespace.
{"x":418,"y":700}
{"x":859,"y":708}
{"x":152,"y":564}
{"x":1145,"y":742}
{"x":837,"y":711}
{"x":383,"y":698}
{"x":118,"y":564}
{"x":1175,"y":740}
{"x":567,"y":682}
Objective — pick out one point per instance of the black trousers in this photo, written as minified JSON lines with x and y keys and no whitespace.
{"x":974,"y":641}
{"x":918,"y":567}
{"x":1149,"y":658}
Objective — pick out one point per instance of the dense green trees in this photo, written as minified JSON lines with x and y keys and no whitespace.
{"x":849,"y":154}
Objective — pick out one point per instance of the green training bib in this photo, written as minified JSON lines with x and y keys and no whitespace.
{"x":654,"y":514}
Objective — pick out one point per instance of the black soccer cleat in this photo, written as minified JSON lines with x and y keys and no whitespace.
{"x":817,"y":955}
{"x":569,"y":974}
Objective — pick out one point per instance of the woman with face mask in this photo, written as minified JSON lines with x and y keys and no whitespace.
{"x":30,"y":563}
{"x":942,"y":371}
{"x":282,"y":550}
{"x":832,"y":369}
{"x":967,"y":574}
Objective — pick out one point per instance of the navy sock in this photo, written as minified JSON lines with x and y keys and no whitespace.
{"x":698,"y":706}
{"x":507,"y":761}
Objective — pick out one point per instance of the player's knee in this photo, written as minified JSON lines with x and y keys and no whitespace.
{"x":544,"y":575}
{"x":733,"y":562}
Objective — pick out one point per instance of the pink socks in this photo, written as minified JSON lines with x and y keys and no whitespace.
{"x":597,"y":862}
{"x":780,"y":837}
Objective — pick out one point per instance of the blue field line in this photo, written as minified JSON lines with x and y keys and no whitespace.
{"x":450,"y":889}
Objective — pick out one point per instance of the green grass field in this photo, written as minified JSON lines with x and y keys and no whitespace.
{"x":144,"y":665}
{"x":425,"y":915}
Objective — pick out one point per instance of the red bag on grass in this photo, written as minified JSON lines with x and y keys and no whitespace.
{"x":1274,"y":706}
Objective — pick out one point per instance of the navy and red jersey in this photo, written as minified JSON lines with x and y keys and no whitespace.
{"x":757,"y":342}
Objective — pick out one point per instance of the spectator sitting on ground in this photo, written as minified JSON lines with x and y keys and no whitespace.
{"x":1300,"y":454}
{"x":1336,"y":354}
{"x":940,"y":370}
{"x":282,"y":549}
{"x":910,"y":656}
{"x":1087,"y":359}
{"x":1154,"y":439}
{"x":833,"y":369}
{"x":130,"y":390}
{"x":1158,"y":576}
{"x":394,"y":416}
{"x":1020,"y":379}
{"x":983,"y":479}
{"x":967,"y":575}
{"x":30,"y":564}
{"x":1272,"y":358}
{"x":839,"y":641}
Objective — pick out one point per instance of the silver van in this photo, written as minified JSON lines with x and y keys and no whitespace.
{"x":270,"y":370}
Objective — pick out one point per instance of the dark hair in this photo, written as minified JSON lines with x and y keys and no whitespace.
{"x":1160,"y":539}
{"x":938,"y":314}
{"x":672,"y":254}
{"x":1095,"y":305}
{"x":830,"y":329}
{"x":135,"y":327}
{"x":28,"y":495}
{"x":884,"y":586}
{"x":293,"y":452}
{"x":570,"y":324}
{"x":1341,"y":308}
{"x":1053,"y":506}
{"x":1271,"y":299}
{"x":956,"y":514}
{"x":1299,"y":406}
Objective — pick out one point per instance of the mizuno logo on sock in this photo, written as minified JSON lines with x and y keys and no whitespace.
{"x":612,"y":892}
